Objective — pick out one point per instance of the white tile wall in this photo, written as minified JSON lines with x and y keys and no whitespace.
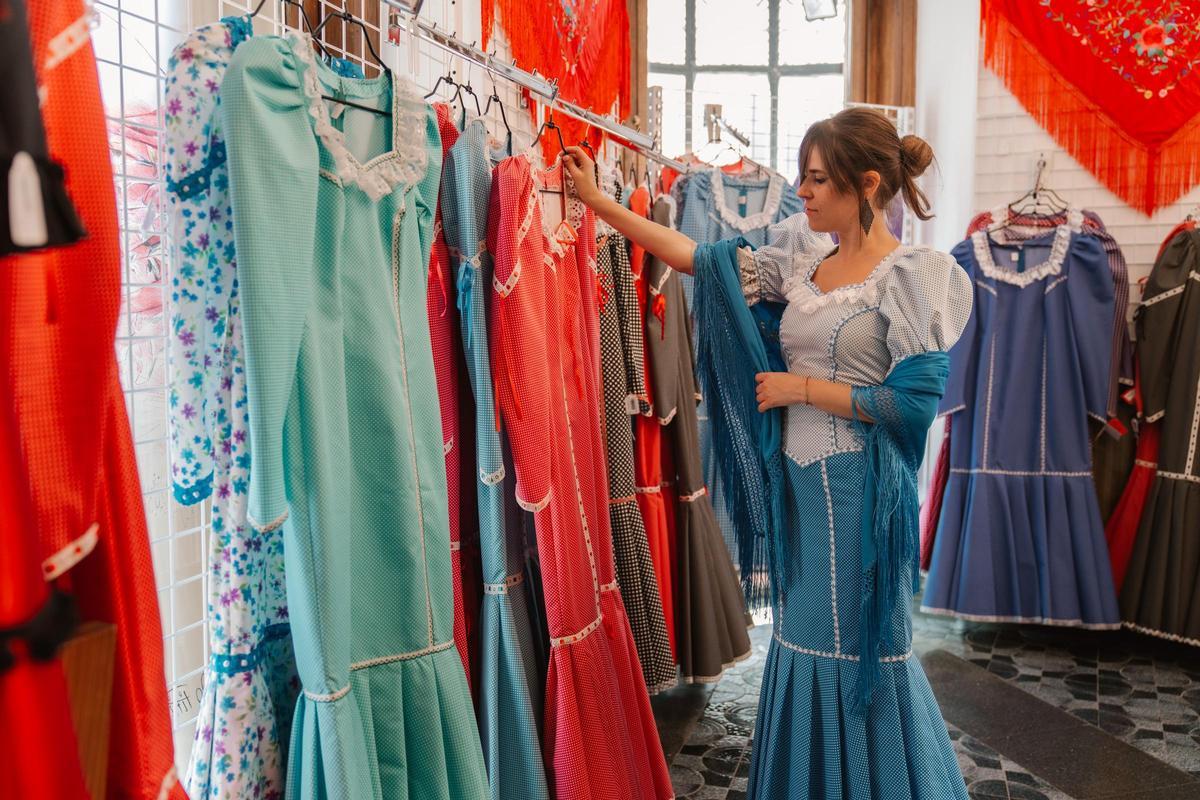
{"x":1008,"y":144}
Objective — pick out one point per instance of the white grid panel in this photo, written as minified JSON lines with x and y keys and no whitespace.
{"x":1008,"y":143}
{"x":133,"y":40}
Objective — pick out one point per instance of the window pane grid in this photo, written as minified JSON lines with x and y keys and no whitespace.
{"x":805,"y":59}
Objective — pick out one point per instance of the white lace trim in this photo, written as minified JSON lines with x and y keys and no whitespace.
{"x":813,"y":298}
{"x":70,"y":555}
{"x":1051,"y":266}
{"x":754,"y":221}
{"x":404,"y":164}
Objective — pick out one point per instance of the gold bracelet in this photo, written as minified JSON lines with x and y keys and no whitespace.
{"x":806,"y":395}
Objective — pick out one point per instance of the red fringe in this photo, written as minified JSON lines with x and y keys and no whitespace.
{"x":1145,"y":177}
{"x":599,"y":77}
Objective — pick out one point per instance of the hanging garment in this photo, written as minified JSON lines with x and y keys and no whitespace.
{"x":624,"y":381}
{"x":1160,"y":594}
{"x":656,"y":497}
{"x":61,"y":310}
{"x":1114,"y":450}
{"x":712,"y":206}
{"x":448,"y":367}
{"x":583,"y":45}
{"x":888,"y":735}
{"x":35,"y":210}
{"x":250,"y":681}
{"x":600,"y":736}
{"x":1121,"y":530}
{"x":1022,"y":227}
{"x":38,"y":737}
{"x":931,"y":511}
{"x":1021,"y":537}
{"x":1112,"y":458}
{"x":710,"y":613}
{"x":347,"y":454}
{"x":510,"y":691}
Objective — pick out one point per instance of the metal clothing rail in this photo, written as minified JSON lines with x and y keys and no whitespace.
{"x":545,"y":90}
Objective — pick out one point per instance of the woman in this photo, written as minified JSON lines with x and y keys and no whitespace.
{"x":845,"y":710}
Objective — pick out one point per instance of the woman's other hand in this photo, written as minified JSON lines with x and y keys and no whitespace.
{"x":583,"y":172}
{"x":778,"y":389}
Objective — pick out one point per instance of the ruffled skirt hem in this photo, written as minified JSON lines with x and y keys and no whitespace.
{"x":809,"y":742}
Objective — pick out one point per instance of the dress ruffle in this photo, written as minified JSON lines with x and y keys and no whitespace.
{"x":510,"y":710}
{"x":408,"y":724}
{"x":1057,"y":573}
{"x":809,"y":743}
{"x":582,"y":705}
{"x":1160,"y":595}
{"x":264,"y":685}
{"x":712,"y":628}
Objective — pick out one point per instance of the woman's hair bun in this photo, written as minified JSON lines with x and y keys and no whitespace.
{"x":915,"y":155}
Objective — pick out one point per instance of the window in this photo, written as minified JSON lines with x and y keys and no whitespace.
{"x":773,"y":72}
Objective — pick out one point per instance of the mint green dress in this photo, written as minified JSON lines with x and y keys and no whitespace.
{"x":333,"y":219}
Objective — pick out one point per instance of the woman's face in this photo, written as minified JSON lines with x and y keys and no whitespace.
{"x":829,"y":210}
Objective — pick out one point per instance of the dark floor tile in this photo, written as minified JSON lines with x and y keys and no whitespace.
{"x":1069,"y":753}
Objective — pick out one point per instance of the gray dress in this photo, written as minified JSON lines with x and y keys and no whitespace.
{"x":710,"y":612}
{"x":1161,"y":595}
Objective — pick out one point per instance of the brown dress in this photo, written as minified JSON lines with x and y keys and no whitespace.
{"x":710,"y":613}
{"x":1161,"y":595}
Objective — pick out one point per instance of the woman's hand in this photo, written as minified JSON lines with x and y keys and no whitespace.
{"x":779,"y":389}
{"x":583,"y":172}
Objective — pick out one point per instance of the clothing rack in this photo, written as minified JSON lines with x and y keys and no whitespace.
{"x":545,"y":90}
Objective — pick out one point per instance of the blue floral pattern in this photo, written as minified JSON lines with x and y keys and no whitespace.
{"x":250,"y":682}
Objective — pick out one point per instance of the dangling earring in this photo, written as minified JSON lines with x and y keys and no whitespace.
{"x":866,"y":216}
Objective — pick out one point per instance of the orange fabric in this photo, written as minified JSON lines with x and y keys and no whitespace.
{"x":583,"y":44}
{"x":659,"y":524}
{"x":37,"y":738}
{"x":61,"y":309}
{"x":1114,"y":83}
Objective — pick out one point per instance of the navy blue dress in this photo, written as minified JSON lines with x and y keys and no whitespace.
{"x":1021,"y":538}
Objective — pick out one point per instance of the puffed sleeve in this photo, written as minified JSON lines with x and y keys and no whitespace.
{"x":273,"y":185}
{"x":765,"y":271}
{"x":964,"y":354}
{"x":926,"y":300}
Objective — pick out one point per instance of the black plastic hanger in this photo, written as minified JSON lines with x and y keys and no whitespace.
{"x":1040,"y":194}
{"x":308,"y":26}
{"x":495,"y":97}
{"x":549,"y":125}
{"x":441,"y":79}
{"x":346,"y":16}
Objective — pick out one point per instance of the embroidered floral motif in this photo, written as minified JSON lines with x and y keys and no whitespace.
{"x":1152,"y":45}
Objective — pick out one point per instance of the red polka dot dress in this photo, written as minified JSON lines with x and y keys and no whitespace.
{"x":449,"y":367}
{"x":600,"y":739}
{"x":59,"y":317}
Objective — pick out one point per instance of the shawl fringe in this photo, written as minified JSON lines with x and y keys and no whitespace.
{"x":1147,"y":177}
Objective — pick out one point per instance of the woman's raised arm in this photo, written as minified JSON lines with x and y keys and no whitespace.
{"x":675,"y":249}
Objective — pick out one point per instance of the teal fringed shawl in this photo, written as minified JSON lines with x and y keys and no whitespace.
{"x":734,"y":344}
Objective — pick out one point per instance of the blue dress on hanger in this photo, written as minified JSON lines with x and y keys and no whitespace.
{"x":510,"y":689}
{"x":1021,"y":538}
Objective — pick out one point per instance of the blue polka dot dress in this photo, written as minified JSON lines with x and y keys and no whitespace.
{"x":810,"y":741}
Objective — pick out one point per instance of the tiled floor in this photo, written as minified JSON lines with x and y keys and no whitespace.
{"x":1143,"y":691}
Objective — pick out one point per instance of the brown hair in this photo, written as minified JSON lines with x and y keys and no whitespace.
{"x":856,"y":140}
